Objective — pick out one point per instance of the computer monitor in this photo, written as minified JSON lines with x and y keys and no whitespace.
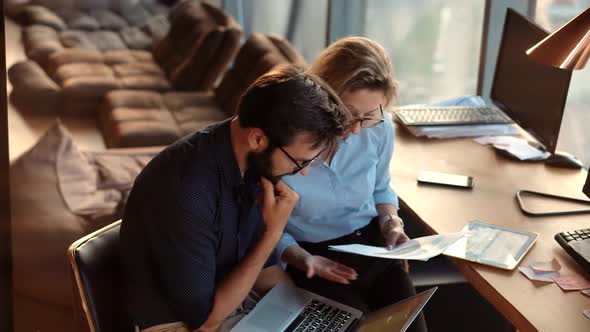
{"x":530,"y":93}
{"x":586,"y":188}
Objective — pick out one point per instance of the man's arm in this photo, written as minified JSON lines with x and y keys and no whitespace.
{"x":278,"y":201}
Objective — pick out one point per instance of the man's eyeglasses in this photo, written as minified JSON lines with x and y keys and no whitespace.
{"x":370,"y":122}
{"x":302,"y":165}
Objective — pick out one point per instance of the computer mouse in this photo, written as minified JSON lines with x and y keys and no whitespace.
{"x":563,"y":159}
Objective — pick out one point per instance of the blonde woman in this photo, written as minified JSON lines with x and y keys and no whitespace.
{"x":348,"y":198}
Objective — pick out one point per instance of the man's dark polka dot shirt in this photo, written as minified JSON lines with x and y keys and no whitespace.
{"x":189,"y":220}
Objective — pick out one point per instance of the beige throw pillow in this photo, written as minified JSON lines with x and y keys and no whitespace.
{"x":59,"y":194}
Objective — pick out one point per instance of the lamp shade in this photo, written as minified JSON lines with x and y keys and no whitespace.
{"x":566,"y":48}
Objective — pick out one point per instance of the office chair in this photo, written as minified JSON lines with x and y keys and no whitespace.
{"x":98,"y":275}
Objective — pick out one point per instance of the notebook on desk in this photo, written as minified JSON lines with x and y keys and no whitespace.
{"x":291,"y":309}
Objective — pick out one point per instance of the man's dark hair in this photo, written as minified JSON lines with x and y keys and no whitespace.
{"x":287,"y":101}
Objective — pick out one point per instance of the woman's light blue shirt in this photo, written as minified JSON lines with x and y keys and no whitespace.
{"x":339,"y":198}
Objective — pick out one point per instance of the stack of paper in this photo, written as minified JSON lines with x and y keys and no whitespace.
{"x":452,"y":131}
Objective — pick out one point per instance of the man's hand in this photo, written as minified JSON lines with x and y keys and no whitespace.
{"x":328,"y":269}
{"x":277,"y":203}
{"x":393,"y":233}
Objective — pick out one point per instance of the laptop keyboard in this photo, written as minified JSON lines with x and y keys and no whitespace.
{"x":449,"y":115}
{"x":320,"y":317}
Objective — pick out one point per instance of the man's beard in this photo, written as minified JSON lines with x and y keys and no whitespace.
{"x":260,"y":163}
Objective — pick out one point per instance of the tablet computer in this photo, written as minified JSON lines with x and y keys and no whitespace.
{"x":492,"y":245}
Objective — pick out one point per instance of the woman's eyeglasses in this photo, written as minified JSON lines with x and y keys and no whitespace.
{"x":370,"y":122}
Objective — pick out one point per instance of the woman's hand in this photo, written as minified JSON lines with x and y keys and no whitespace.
{"x":328,"y":269}
{"x":393,"y":233}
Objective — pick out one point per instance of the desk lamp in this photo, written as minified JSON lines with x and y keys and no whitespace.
{"x":567,"y":48}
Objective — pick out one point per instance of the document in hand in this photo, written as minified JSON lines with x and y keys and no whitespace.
{"x":422,"y":248}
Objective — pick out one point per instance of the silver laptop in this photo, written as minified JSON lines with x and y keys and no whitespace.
{"x":287,"y":308}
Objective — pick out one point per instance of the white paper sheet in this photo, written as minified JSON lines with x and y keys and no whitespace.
{"x":538,"y":276}
{"x":517,"y":147}
{"x":422,"y":248}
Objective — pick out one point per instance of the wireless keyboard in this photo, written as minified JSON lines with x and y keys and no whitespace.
{"x":450,"y":115}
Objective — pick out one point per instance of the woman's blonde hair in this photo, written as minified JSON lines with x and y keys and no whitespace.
{"x":354,"y":63}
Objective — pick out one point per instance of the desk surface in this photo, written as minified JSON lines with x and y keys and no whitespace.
{"x":530,"y":306}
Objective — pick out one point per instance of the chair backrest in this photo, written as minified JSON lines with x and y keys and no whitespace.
{"x":98,"y":275}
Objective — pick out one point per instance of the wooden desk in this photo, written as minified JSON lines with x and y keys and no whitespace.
{"x":529,"y":306}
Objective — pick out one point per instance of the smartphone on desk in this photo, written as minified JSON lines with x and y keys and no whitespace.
{"x":446,"y":179}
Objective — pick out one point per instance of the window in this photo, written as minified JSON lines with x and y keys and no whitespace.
{"x":434,"y":45}
{"x":573,"y":137}
{"x":302,"y":22}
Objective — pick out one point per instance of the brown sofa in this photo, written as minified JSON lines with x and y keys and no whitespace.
{"x":202,"y":40}
{"x":146,"y":118}
{"x":98,"y":25}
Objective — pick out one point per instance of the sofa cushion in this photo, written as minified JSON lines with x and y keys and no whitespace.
{"x":155,"y":7}
{"x":109,"y":20}
{"x":145,"y":82}
{"x":134,"y":15}
{"x":156,"y":27}
{"x":124,"y":56}
{"x":136,"y":38}
{"x":134,"y":99}
{"x":34,"y":14}
{"x":87,"y":5}
{"x":89,"y":87}
{"x":146,"y":118}
{"x":188,"y":75}
{"x":40,"y":42}
{"x":102,"y":40}
{"x":132,"y":127}
{"x":77,"y":39}
{"x":259,"y":54}
{"x":78,"y":20}
{"x":43,"y":225}
{"x":193,"y":111}
{"x":32,"y":89}
{"x":190,"y":22}
{"x":137,"y":68}
{"x":74,"y":55}
{"x":105,"y":40}
{"x":82,"y":69}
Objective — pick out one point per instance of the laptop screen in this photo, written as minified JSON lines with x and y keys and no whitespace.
{"x":532,"y":94}
{"x":398,"y":316}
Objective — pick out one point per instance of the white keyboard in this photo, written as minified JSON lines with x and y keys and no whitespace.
{"x":450,"y":115}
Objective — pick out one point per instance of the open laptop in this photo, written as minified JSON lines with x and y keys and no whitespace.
{"x":287,"y":308}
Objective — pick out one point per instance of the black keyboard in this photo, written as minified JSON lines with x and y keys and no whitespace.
{"x":450,"y":115}
{"x":577,"y":244}
{"x":320,"y":317}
